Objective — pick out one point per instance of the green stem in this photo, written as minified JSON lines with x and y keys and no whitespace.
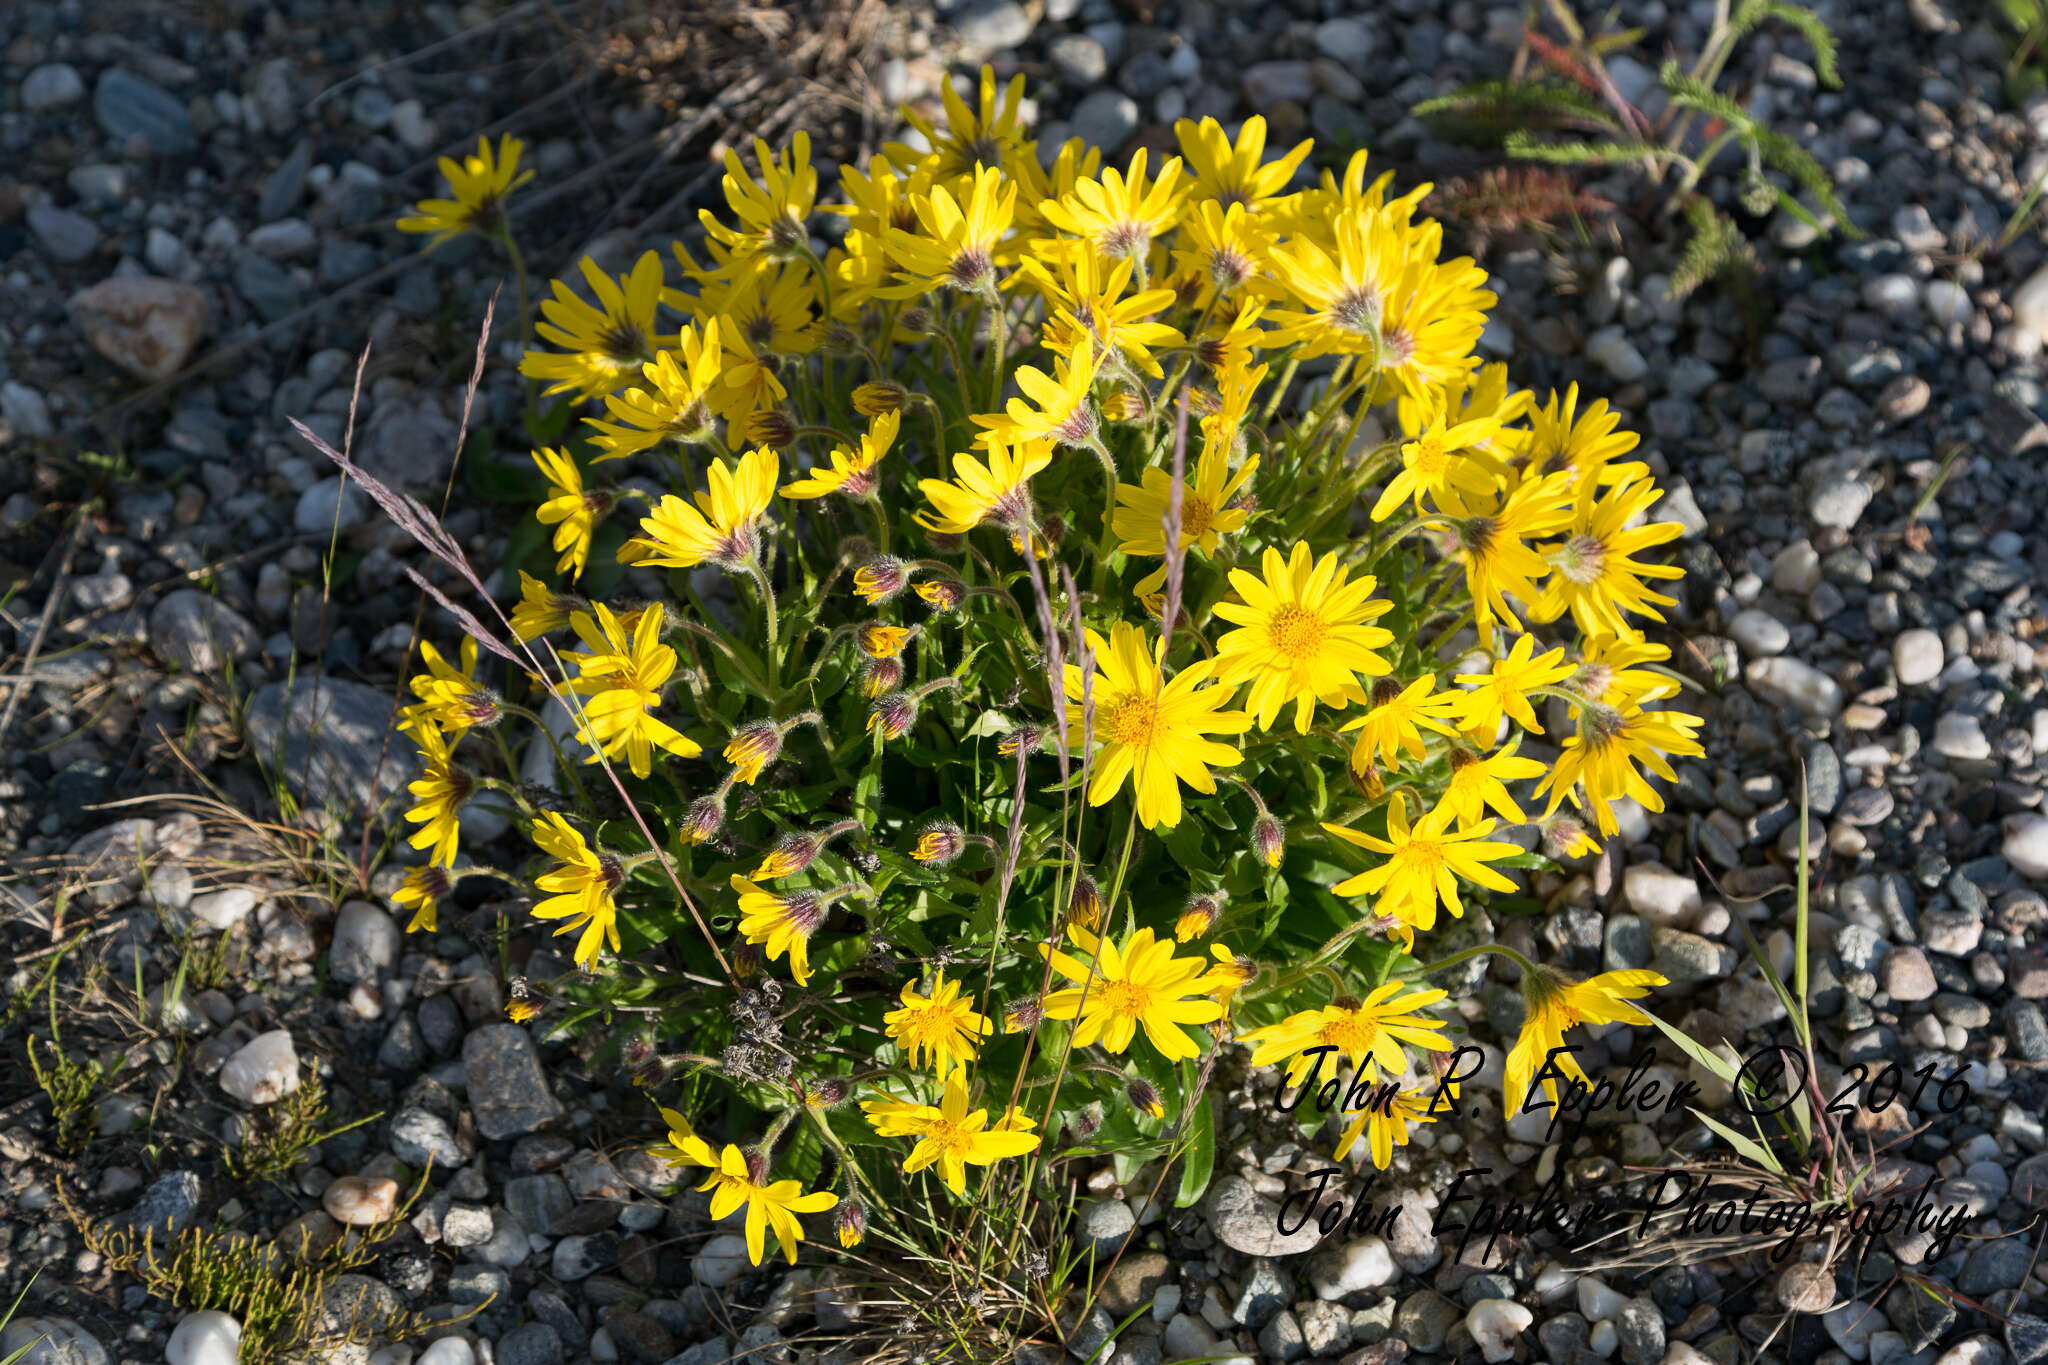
{"x":1467,"y":954}
{"x":760,"y":577}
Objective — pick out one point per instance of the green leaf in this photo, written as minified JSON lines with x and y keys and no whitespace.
{"x":1753,"y":1150}
{"x":1201,"y":1154}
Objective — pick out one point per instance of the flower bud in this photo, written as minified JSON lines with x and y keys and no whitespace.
{"x":1269,"y":839}
{"x":880,"y":579}
{"x":1566,"y":836}
{"x":650,"y":1073}
{"x":757,"y":1165}
{"x":880,"y":675}
{"x":792,"y":854}
{"x":1084,"y":908}
{"x":939,"y":843}
{"x":879,"y":641}
{"x":1025,"y":739}
{"x":825,"y":1094}
{"x":840,"y":339}
{"x":746,"y":961}
{"x":879,"y":396}
{"x":702,"y":821}
{"x":1145,"y":1098}
{"x":942,"y":594}
{"x":752,"y":748}
{"x":1125,"y":405}
{"x":1198,"y":917}
{"x":527,"y":1001}
{"x":1021,"y":1016}
{"x":917,"y":322}
{"x":893,"y":712}
{"x":851,"y":1222}
{"x":770,"y":428}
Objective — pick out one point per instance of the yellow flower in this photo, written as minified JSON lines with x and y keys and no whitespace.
{"x":1120,"y":214}
{"x":1431,"y":320}
{"x":1054,"y":407}
{"x":783,"y":921}
{"x":423,"y":888}
{"x":1197,"y":918}
{"x":1423,"y":865}
{"x":675,"y":402}
{"x":998,"y":491}
{"x":1563,"y":440}
{"x":581,"y":882}
{"x":1083,"y":294}
{"x":685,"y":1147}
{"x":774,"y":212}
{"x":1236,"y":174}
{"x":1230,"y":975}
{"x":451,"y":699}
{"x":1503,"y":690}
{"x":949,"y":1136}
{"x":1554,"y":1003}
{"x":603,"y":345}
{"x":1206,"y":515}
{"x":620,"y":680}
{"x":1608,"y":673}
{"x":1594,"y":575}
{"x":940,"y":1025}
{"x":954,"y":245}
{"x":989,"y":135}
{"x":1491,"y":536}
{"x":1598,"y":763}
{"x":571,"y":511}
{"x":1149,"y":729}
{"x":1442,"y":454}
{"x":878,"y":641}
{"x":851,"y":474}
{"x":1223,"y":248}
{"x":752,"y":748}
{"x":1370,"y":1034}
{"x":722,"y":526}
{"x":441,"y":788}
{"x":1140,"y":985}
{"x":735,"y":1186}
{"x":540,"y":612}
{"x":770,"y":311}
{"x":1396,"y":721}
{"x":1384,"y":1126}
{"x":1343,"y":297}
{"x":480,"y":184}
{"x":1303,"y":634}
{"x":1478,"y":783}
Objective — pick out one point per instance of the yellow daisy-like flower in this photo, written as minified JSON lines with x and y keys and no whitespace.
{"x":949,"y":1135}
{"x":674,"y":404}
{"x":569,"y":509}
{"x":735,"y":1185}
{"x":1554,"y":1003}
{"x":1492,"y":537}
{"x":1424,"y":863}
{"x":1224,"y":249}
{"x":998,"y":491}
{"x":422,"y":889}
{"x":1235,"y":174}
{"x":850,"y":473}
{"x":878,"y":641}
{"x":1138,"y":985}
{"x":1480,"y":783}
{"x":581,"y":882}
{"x":540,"y":611}
{"x":1231,"y":974}
{"x":782,"y":922}
{"x":1609,"y":674}
{"x":1503,"y":690}
{"x":1303,"y":634}
{"x":940,"y":1026}
{"x":721,"y":528}
{"x":450,"y":698}
{"x":620,"y":680}
{"x":441,"y":788}
{"x":1055,"y":407}
{"x":1385,"y":1126}
{"x":1370,"y":1034}
{"x":684,"y":1146}
{"x":1396,"y":721}
{"x":988,"y":135}
{"x":1084,"y":295}
{"x":1564,"y":440}
{"x":1148,"y":729}
{"x":1443,"y":454}
{"x":1598,"y":763}
{"x":1206,"y":515}
{"x":773,"y":212}
{"x":603,"y":344}
{"x":954,"y":245}
{"x":1121,"y":213}
{"x":1595,"y":575}
{"x":1342,"y":297}
{"x":480,"y":184}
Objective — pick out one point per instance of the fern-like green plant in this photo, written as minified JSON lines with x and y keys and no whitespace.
{"x":1715,"y":247}
{"x":1487,"y":111}
{"x":1766,"y":146}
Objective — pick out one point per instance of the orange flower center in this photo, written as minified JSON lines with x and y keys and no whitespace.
{"x":1297,"y":632}
{"x":1124,"y":997}
{"x":1132,"y":719}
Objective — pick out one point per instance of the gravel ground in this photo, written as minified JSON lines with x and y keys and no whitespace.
{"x":181,"y":190}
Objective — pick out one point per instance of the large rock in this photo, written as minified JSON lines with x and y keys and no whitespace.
{"x":199,"y":633}
{"x":1245,"y":1220}
{"x":326,"y":736}
{"x":508,"y":1091}
{"x":146,"y":326}
{"x":62,"y":1342}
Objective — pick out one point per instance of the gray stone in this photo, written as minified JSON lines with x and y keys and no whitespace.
{"x":508,"y":1091}
{"x":269,"y":290}
{"x":1687,"y":959}
{"x":418,"y":1136}
{"x":58,"y":1341}
{"x":1104,"y":1224}
{"x":168,"y":1205}
{"x":327,"y":738}
{"x":1266,"y":84}
{"x":1282,"y":1340}
{"x":128,"y":106}
{"x":65,"y":236}
{"x":1785,"y":681}
{"x":991,"y":25}
{"x":1244,"y":1220}
{"x":1078,"y":58}
{"x":1265,"y":1293}
{"x":538,"y":1200}
{"x":1906,"y":975}
{"x":199,"y":633}
{"x":51,"y":86}
{"x":1759,"y":633}
{"x":146,"y":326}
{"x":366,"y":943}
{"x":1105,"y":118}
{"x":1344,"y":40}
{"x":1917,"y":657}
{"x":1839,"y":502}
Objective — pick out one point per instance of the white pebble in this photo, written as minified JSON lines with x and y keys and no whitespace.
{"x":205,"y":1338}
{"x":1496,"y":1324}
{"x":448,"y":1351}
{"x":266,"y":1068}
{"x":2026,"y":845}
{"x":1917,"y":657}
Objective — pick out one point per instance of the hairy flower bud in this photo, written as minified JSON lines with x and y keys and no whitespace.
{"x":1021,"y":1016}
{"x":746,"y":961}
{"x":1268,"y":839}
{"x":702,"y":821}
{"x":792,"y":854}
{"x":757,"y":1165}
{"x":893,"y":712}
{"x":1198,"y":917}
{"x":752,"y":748}
{"x":942,"y":594}
{"x":879,"y":641}
{"x":770,"y":428}
{"x":527,"y":1001}
{"x":878,"y":676}
{"x":1084,"y":907}
{"x":1025,"y":739}
{"x":880,"y":579}
{"x":1145,"y":1098}
{"x":1124,"y":405}
{"x":879,"y":396}
{"x":851,"y":1222}
{"x":824,"y":1094}
{"x":939,"y":843}
{"x":650,"y":1073}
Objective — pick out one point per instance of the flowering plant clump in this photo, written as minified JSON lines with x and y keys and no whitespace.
{"x":1029,"y":627}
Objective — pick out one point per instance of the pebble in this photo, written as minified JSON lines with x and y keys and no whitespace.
{"x":25,"y":410}
{"x":1839,"y":502}
{"x":146,"y":326}
{"x":1496,"y":1325}
{"x":1104,"y":1224}
{"x":991,"y":25}
{"x":1917,"y":657}
{"x":205,"y":1338}
{"x":1904,"y":398}
{"x":1957,"y":734}
{"x":359,"y":1201}
{"x":2029,"y":304}
{"x":721,"y":1261}
{"x":1265,"y":84}
{"x":50,"y":1341}
{"x":51,"y":86}
{"x":1344,"y":40}
{"x":127,"y":107}
{"x":2026,"y":845}
{"x":1363,"y":1263}
{"x":418,"y":1136}
{"x":222,"y":910}
{"x":1106,"y":118}
{"x":1785,"y":681}
{"x":265,"y":1069}
{"x":447,"y":1351}
{"x":66,"y":236}
{"x":1245,"y":1220}
{"x":1907,"y":976}
{"x":1947,"y":302}
{"x":366,"y":943}
{"x":1758,"y":633}
{"x":1080,"y":59}
{"x":508,"y":1090}
{"x":1611,"y":350}
{"x":328,"y":734}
